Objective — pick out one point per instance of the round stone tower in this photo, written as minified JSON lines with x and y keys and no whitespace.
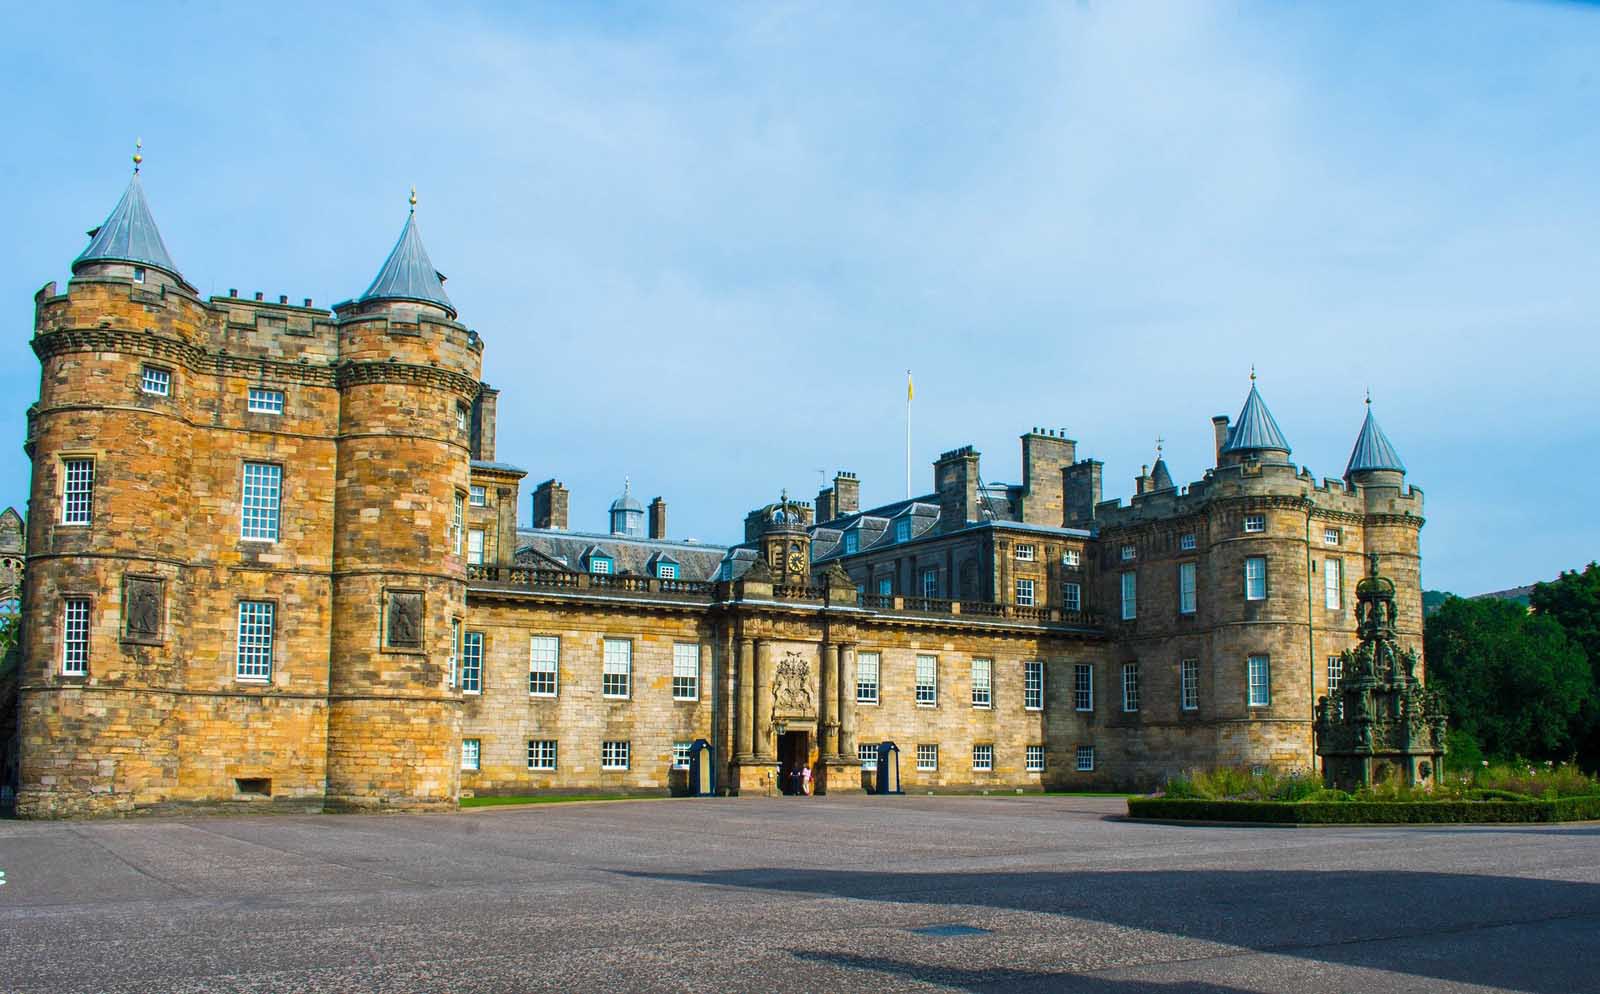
{"x":1393,"y":522}
{"x":408,"y":375}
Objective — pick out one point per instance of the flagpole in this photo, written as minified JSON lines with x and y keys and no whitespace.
{"x":909,"y":393}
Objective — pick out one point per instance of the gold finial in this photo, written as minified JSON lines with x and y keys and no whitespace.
{"x":413,"y":198}
{"x":1369,"y":396}
{"x":1252,"y":372}
{"x":138,"y":156}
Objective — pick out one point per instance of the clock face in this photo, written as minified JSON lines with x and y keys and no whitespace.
{"x":797,"y":563}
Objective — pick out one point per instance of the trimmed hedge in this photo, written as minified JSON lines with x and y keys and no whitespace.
{"x":1366,"y":812}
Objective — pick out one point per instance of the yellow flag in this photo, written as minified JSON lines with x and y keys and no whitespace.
{"x":910,"y":393}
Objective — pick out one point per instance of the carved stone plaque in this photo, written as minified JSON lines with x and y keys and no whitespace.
{"x":144,"y":609}
{"x":791,"y":687}
{"x":403,"y":619}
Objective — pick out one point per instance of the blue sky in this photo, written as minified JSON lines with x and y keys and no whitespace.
{"x":704,"y":241}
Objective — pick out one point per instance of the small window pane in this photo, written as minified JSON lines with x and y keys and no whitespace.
{"x":1025,"y":551}
{"x":868,"y":755}
{"x":680,"y":755}
{"x":263,"y":401}
{"x":1186,"y":541}
{"x":478,"y":495}
{"x":867,"y":678}
{"x":258,"y":518}
{"x":544,"y":664}
{"x":75,"y":637}
{"x":254,"y":659}
{"x":1255,"y":522}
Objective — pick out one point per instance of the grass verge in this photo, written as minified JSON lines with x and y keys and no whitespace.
{"x":1366,"y":812}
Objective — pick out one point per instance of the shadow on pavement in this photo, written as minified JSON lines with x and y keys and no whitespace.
{"x":1023,"y":981}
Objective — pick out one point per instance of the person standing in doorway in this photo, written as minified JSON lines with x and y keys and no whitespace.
{"x":805,"y":780}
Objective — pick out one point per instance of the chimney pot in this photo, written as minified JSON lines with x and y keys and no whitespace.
{"x":308,"y":302}
{"x":233,"y":291}
{"x":258,"y":294}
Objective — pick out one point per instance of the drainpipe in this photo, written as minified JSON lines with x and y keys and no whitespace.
{"x":1311,"y":635}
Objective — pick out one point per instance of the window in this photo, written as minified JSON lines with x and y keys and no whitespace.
{"x":1083,"y":687}
{"x":471,"y":749}
{"x":1130,"y":596}
{"x":1034,"y":762}
{"x":1255,"y":522}
{"x":1129,"y":553}
{"x":542,"y":754}
{"x":1071,"y":597}
{"x":1255,"y":578}
{"x":461,"y":417}
{"x":867,"y":753}
{"x":599,"y":564}
{"x":666,"y":571}
{"x":852,"y":542}
{"x":138,"y":274}
{"x":259,"y":400}
{"x":1033,"y":685}
{"x":866,"y":678}
{"x":983,"y":758}
{"x":1071,"y":558}
{"x":1130,"y":686}
{"x":263,"y":486}
{"x":685,"y":671}
{"x":1332,"y":574}
{"x":1186,"y":578}
{"x":927,"y":681}
{"x":1024,"y":592}
{"x":616,"y":675}
{"x":902,"y":530}
{"x":1025,"y":551}
{"x":1330,"y":536}
{"x":458,"y":522}
{"x":544,"y":665}
{"x":1260,"y":682}
{"x":982,"y":682}
{"x":455,"y":652}
{"x":478,"y":496}
{"x":77,"y":491}
{"x":1085,"y":759}
{"x":75,"y":637}
{"x":254,"y":659}
{"x":927,"y":758}
{"x":614,"y":754}
{"x":1335,"y":673}
{"x":472,"y":663}
{"x":475,"y":546}
{"x":680,"y":755}
{"x":930,"y":582}
{"x":1189,"y":684}
{"x":885,"y":586}
{"x":156,"y":381}
{"x":1186,"y":541}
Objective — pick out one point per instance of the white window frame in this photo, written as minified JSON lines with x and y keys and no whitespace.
{"x":1335,"y":673}
{"x":478,"y":495}
{"x":455,"y":653}
{"x":155,"y":381}
{"x":475,"y":546}
{"x":458,"y":522}
{"x":1187,"y":579}
{"x":263,"y":400}
{"x":1333,"y":583}
{"x":666,"y":571}
{"x":1255,"y":523}
{"x":472,"y":651}
{"x":1024,"y":591}
{"x":616,"y":754}
{"x":686,"y":671}
{"x":930,"y":582}
{"x":1130,"y":687}
{"x":867,"y":671}
{"x":1083,"y":687}
{"x":1187,"y":542}
{"x":1033,"y":685}
{"x":616,"y":669}
{"x":1330,"y":536}
{"x":867,"y":755}
{"x":75,"y":614}
{"x":260,"y":501}
{"x":982,"y":683}
{"x":462,"y":416}
{"x":1189,"y":684}
{"x":544,"y":666}
{"x":1033,"y":759}
{"x":1259,"y":681}
{"x":544,"y":755}
{"x":1071,"y":597}
{"x":77,"y":491}
{"x":680,"y":755}
{"x":1025,"y":552}
{"x":1130,"y":595}
{"x":1255,"y":578}
{"x":1084,"y":759}
{"x":983,"y":757}
{"x":927,"y":681}
{"x":600,"y":565}
{"x":1129,"y":553}
{"x":927,"y":758}
{"x":253,"y":641}
{"x":1071,"y":558}
{"x":139,"y":274}
{"x":472,"y":755}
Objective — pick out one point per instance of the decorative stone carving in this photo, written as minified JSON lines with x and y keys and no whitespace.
{"x":404,"y":619}
{"x":791,"y":687}
{"x":143,"y":609}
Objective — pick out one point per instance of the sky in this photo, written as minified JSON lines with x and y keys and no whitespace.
{"x":703,"y":242}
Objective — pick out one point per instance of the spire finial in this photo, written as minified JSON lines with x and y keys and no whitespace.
{"x":1252,"y":372}
{"x":138,"y":154}
{"x":413,"y":199}
{"x":1369,"y":396}
{"x":627,"y":485}
{"x":1159,"y":440}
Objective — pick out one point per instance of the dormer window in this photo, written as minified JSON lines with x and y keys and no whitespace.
{"x":726,"y":572}
{"x":902,"y":530}
{"x":852,"y":542}
{"x":667,"y":571}
{"x":600,"y":565}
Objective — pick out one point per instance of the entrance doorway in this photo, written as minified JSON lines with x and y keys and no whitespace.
{"x":794,"y":752}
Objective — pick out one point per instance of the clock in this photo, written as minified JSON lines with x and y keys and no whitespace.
{"x":797,"y":563}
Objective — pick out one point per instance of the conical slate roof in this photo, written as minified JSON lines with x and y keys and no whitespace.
{"x":1373,"y":449}
{"x":1256,"y":429}
{"x":408,"y":274}
{"x":129,"y":235}
{"x":1160,"y":476}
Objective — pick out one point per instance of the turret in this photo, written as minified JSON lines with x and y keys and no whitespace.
{"x":128,"y":244}
{"x":1374,"y":461}
{"x":627,"y":514}
{"x":1255,"y":437}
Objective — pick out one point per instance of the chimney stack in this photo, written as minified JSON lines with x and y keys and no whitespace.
{"x":1219,"y":428}
{"x":550,"y":506}
{"x":846,"y":494}
{"x":658,"y":518}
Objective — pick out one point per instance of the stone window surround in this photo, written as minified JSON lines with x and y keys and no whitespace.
{"x":539,"y":667}
{"x":983,"y":757}
{"x":1033,"y":689}
{"x":1189,"y":684}
{"x":471,"y":755}
{"x":474,"y":671}
{"x":927,"y":693}
{"x":982,"y":686}
{"x":1033,"y":761}
{"x":616,"y":754}
{"x":543,"y":755}
{"x":68,"y":600}
{"x":1130,"y":688}
{"x":72,"y":516}
{"x":680,"y":681}
{"x":263,"y":400}
{"x":156,"y":381}
{"x":1255,"y":523}
{"x":1025,"y":552}
{"x":875,"y":683}
{"x":271,"y":645}
{"x":1083,"y":687}
{"x":623,"y":667}
{"x":266,"y":513}
{"x":927,"y":757}
{"x":1084,"y":755}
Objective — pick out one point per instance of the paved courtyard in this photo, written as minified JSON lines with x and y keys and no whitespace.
{"x":842,"y":894}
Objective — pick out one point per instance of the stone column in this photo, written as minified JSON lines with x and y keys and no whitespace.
{"x":847,"y":701}
{"x":827,"y":705}
{"x":744,"y":700}
{"x":763,"y":709}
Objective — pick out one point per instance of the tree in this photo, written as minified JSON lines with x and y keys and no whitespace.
{"x":1572,"y":600}
{"x":1512,"y":680}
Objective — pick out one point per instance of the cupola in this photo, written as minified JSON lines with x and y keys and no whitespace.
{"x":627,"y":514}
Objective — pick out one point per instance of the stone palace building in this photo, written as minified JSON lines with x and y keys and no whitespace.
{"x":273,"y":559}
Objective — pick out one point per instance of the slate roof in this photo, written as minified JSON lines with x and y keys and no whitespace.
{"x":1373,"y":449}
{"x":408,"y":274}
{"x":1160,"y":476}
{"x":129,"y":235}
{"x":1255,"y":429}
{"x":548,"y":548}
{"x":497,"y":467}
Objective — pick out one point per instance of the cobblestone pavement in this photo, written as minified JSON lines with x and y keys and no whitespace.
{"x":791,"y":894}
